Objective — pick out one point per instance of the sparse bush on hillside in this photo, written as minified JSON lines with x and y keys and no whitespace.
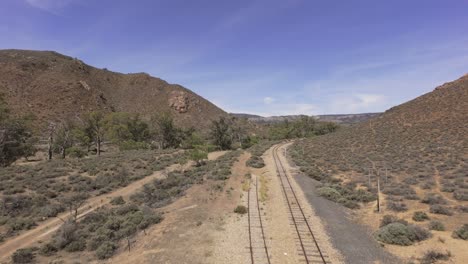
{"x":432,"y":198}
{"x":329,"y":193}
{"x":462,"y":208}
{"x":38,"y":191}
{"x":411,"y":181}
{"x":388,"y":219}
{"x":440,"y":209}
{"x":397,"y":206}
{"x":400,"y":234}
{"x":255,"y":162}
{"x":23,"y":256}
{"x":257,"y":150}
{"x":106,"y":250}
{"x":461,"y":195}
{"x":398,"y":190}
{"x":344,"y":195}
{"x":436,"y":225}
{"x":433,"y":256}
{"x":420,"y":216}
{"x":240,"y":209}
{"x":101,"y":230}
{"x":48,"y":249}
{"x":119,"y":200}
{"x":461,"y":232}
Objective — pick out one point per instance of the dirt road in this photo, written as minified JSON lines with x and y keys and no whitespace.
{"x":46,"y":229}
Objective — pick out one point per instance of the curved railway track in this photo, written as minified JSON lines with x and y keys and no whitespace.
{"x":258,"y":247}
{"x":307,"y":243}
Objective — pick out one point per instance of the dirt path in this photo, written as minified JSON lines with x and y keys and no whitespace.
{"x":45,"y":230}
{"x":198,"y":228}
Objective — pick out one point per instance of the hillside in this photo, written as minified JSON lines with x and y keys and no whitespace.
{"x":53,"y":86}
{"x":344,"y":119}
{"x":417,"y":141}
{"x":419,"y":151}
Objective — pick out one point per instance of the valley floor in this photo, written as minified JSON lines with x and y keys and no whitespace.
{"x":202,"y":227}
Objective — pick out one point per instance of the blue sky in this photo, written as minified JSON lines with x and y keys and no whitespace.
{"x":268,"y":57}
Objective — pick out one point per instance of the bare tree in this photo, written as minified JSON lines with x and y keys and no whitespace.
{"x":50,"y":141}
{"x":64,"y":137}
{"x":73,"y":203}
{"x":95,"y":123}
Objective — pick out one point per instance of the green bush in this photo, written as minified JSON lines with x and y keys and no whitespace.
{"x":66,"y":234}
{"x":397,"y":206}
{"x":440,"y":209}
{"x":48,"y":249}
{"x":76,"y":245}
{"x":199,"y":156}
{"x":329,"y":193}
{"x":388,"y":219}
{"x":133,"y":145}
{"x":400,"y":234}
{"x":119,"y":200}
{"x":436,"y":225}
{"x":102,"y":229}
{"x":255,"y":162}
{"x":106,"y":250}
{"x":434,"y":199}
{"x":461,"y":232}
{"x":420,"y":216}
{"x":22,"y":224}
{"x":75,"y":152}
{"x":23,"y":255}
{"x":346,"y":195}
{"x":240,"y":209}
{"x":432,"y":256}
{"x":461,"y":195}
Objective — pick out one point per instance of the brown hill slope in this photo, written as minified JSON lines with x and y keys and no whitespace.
{"x":53,"y":86}
{"x":423,"y":143}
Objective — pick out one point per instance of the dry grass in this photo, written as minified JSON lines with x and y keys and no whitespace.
{"x":419,"y":151}
{"x":33,"y":193}
{"x":263,"y":188}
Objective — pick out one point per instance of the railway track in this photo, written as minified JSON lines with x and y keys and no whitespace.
{"x":307,"y":244}
{"x":258,"y":247}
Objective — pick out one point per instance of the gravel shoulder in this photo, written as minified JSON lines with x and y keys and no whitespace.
{"x":353,"y":240}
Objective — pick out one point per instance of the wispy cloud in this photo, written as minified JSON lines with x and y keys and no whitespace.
{"x":356,"y":103}
{"x":51,"y":6}
{"x":268,"y":100}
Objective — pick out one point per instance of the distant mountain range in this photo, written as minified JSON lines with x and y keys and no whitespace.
{"x":344,"y":119}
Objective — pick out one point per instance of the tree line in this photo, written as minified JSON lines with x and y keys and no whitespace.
{"x":304,"y":127}
{"x":81,"y":136}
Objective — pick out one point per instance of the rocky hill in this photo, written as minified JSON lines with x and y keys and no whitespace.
{"x":53,"y":86}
